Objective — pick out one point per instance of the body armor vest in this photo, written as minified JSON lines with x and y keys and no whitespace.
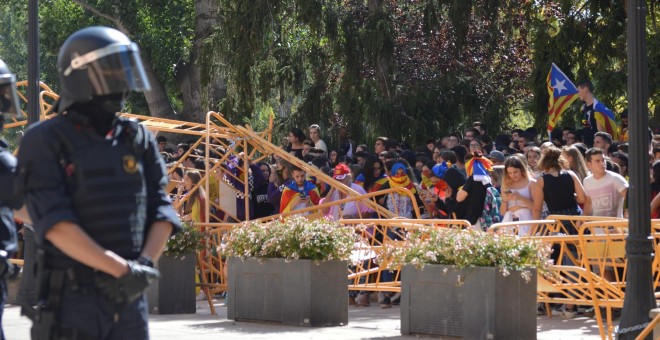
{"x":105,"y":179}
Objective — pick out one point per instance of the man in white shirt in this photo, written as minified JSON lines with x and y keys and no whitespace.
{"x":605,"y":190}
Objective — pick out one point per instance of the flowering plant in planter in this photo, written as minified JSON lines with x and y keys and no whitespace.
{"x":188,"y":241}
{"x":468,"y":248}
{"x":291,"y":238}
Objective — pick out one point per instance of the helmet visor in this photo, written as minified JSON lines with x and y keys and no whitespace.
{"x":8,"y":96}
{"x":116,"y":68}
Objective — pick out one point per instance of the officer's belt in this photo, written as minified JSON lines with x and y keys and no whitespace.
{"x":78,"y":276}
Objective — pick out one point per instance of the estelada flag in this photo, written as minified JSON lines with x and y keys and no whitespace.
{"x":606,"y":118}
{"x":562,"y":94}
{"x":292,"y":191}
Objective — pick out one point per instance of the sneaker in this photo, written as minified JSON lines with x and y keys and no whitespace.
{"x":396,"y":299}
{"x":558,"y":311}
{"x":540,"y":309}
{"x":569,"y":314}
{"x":362,"y":300}
{"x":589,"y":312}
{"x":381,"y":296}
{"x":387,"y":303}
{"x":201,"y":296}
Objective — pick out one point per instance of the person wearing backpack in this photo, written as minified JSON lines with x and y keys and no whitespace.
{"x":474,"y":192}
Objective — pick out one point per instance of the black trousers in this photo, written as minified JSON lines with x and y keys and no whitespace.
{"x":84,"y":310}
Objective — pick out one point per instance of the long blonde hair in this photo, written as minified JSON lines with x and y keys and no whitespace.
{"x":518,"y":163}
{"x":576,"y":163}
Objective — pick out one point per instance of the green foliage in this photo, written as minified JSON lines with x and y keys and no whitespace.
{"x":405,"y":69}
{"x":163,"y":30}
{"x":58,"y":20}
{"x":291,"y":238}
{"x":408,"y":70}
{"x":468,"y":248}
{"x":13,"y":37}
{"x":589,"y":43}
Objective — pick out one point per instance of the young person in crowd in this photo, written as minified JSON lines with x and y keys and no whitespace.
{"x":519,"y":194}
{"x":575,"y":161}
{"x":605,"y":190}
{"x":298,"y":193}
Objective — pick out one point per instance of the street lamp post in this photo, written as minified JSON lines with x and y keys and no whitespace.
{"x":639,"y":298}
{"x":33,"y":62}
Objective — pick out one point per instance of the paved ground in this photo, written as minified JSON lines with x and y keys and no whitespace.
{"x":364,"y":323}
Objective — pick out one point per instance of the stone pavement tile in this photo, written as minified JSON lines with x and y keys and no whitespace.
{"x":578,"y":328}
{"x":364,"y":323}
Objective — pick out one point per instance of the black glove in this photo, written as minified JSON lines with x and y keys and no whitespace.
{"x":13,"y":271}
{"x":6,"y":269}
{"x":129,"y":287}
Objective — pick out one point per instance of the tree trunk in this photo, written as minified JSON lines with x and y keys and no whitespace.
{"x":382,"y":66}
{"x":199,"y":81}
{"x":374,"y":6}
{"x":157,"y":100}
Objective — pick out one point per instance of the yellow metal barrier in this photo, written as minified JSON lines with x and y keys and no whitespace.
{"x":243,"y":142}
{"x":647,"y":331}
{"x":592,"y":270}
{"x":526,"y":228}
{"x":576,"y":221}
{"x":366,"y":274}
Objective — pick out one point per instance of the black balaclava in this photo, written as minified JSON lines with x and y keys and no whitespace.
{"x":101,"y":111}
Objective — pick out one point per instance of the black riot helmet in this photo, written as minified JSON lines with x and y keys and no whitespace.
{"x":8,"y":96}
{"x":98,"y":62}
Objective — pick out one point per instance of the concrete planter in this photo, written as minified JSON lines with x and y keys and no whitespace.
{"x":174,"y":292}
{"x":295,"y":292}
{"x":487,"y":305}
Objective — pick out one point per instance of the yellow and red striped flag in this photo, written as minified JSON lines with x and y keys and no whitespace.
{"x":606,"y":118}
{"x":562,"y":94}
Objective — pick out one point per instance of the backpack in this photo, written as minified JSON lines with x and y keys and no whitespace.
{"x":491,"y":213}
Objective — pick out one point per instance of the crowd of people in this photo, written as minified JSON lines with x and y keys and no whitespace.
{"x":516,"y":176}
{"x":91,"y":182}
{"x":449,"y":177}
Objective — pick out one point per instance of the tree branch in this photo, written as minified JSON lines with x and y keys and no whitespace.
{"x":97,"y":12}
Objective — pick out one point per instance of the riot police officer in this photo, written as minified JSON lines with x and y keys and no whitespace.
{"x":8,"y":199}
{"x":94,"y":188}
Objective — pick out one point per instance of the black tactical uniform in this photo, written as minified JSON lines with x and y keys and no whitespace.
{"x":105,"y":175}
{"x":8,"y":199}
